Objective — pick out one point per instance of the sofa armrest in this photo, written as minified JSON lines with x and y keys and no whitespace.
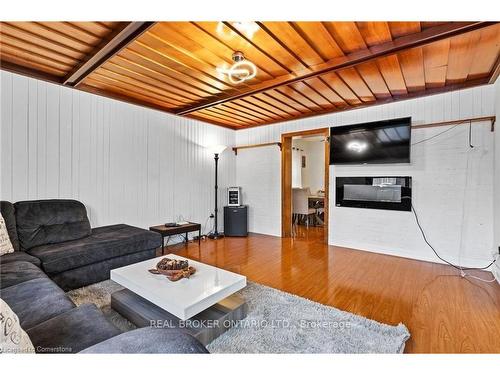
{"x":20,"y":256}
{"x":149,"y":340}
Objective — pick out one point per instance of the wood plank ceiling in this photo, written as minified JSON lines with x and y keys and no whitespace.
{"x":304,"y":68}
{"x":51,"y":48}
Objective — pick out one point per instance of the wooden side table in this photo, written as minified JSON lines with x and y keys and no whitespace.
{"x":181,"y":229}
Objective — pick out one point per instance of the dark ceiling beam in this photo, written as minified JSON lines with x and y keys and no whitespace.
{"x":126,"y":33}
{"x":422,"y":38}
{"x":495,"y":72}
{"x":127,"y":99}
{"x":19,"y":69}
{"x":121,"y":97}
{"x":392,"y":99}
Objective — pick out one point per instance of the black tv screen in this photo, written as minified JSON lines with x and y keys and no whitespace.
{"x":379,"y":142}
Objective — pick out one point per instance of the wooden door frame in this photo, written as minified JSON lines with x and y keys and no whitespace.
{"x":286,"y":178}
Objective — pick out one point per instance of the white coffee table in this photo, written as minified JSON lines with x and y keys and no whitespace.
{"x":204,"y":304}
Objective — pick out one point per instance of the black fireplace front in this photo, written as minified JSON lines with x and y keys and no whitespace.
{"x":383,"y":193}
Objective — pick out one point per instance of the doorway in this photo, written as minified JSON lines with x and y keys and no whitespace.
{"x":296,"y":181}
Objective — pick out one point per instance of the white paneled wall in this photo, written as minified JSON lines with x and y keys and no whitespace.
{"x":260,"y":179}
{"x":497,"y":179}
{"x":439,"y":176}
{"x":126,"y":163}
{"x":140,"y":166}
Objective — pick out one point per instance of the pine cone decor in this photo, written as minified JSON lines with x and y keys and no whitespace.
{"x":173,"y":269}
{"x":172,"y":264}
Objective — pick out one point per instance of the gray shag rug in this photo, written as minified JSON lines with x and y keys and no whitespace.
{"x":278,"y":322}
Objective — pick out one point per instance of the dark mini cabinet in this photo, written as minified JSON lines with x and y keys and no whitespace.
{"x":236,"y":221}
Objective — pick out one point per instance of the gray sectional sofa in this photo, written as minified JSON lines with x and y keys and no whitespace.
{"x":57,"y":233}
{"x":56,"y":250}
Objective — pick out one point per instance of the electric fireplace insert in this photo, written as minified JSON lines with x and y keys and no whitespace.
{"x":384,"y":193}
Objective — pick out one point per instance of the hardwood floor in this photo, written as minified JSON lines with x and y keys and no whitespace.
{"x":444,"y":312}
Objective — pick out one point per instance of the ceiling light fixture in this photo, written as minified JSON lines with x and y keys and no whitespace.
{"x":248,"y":29}
{"x":242,"y":70}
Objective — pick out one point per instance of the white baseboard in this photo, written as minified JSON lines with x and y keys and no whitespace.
{"x":431,"y":257}
{"x":266,"y":234}
{"x":496,"y":273}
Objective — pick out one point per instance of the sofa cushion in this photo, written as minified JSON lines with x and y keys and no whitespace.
{"x":35,"y":301}
{"x":150,"y":340}
{"x":7,"y":210}
{"x":96,"y":272}
{"x":19,"y":256}
{"x":5,"y":244}
{"x":13,"y":339}
{"x":72,"y":331}
{"x":13,"y":273}
{"x":50,"y":221}
{"x":103,"y":243}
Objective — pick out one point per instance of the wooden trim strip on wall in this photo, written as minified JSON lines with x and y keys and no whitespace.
{"x":458,"y":122}
{"x":236,"y":148}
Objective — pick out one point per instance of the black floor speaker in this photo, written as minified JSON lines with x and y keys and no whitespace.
{"x":236,"y":221}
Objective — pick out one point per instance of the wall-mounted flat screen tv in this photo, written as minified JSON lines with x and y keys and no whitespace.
{"x":379,"y":142}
